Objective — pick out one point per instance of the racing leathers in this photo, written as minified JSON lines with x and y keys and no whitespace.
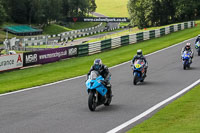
{"x":104,"y":72}
{"x":141,"y":57}
{"x":197,"y":40}
{"x":189,"y":50}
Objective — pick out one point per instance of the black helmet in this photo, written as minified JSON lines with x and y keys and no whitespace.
{"x":139,"y":52}
{"x":97,"y":64}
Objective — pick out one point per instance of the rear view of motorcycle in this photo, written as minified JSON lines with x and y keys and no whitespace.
{"x":97,"y":91}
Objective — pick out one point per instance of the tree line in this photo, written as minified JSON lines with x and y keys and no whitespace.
{"x":43,"y":11}
{"x":148,"y":13}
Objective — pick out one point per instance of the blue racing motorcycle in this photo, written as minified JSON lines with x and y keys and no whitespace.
{"x":186,"y":57}
{"x":197,"y":46}
{"x":138,"y":71}
{"x":97,"y":91}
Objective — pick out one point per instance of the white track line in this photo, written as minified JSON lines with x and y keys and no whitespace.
{"x":133,"y":120}
{"x":32,"y":88}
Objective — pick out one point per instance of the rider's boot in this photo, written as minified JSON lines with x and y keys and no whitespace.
{"x":109,"y":91}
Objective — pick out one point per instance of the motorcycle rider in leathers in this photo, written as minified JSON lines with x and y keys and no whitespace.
{"x":104,"y":72}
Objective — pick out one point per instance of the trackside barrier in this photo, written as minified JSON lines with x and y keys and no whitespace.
{"x":162,"y":31}
{"x":52,"y":55}
{"x":49,"y":55}
{"x":125,"y":40}
{"x":94,"y":48}
{"x":152,"y":34}
{"x":139,"y":36}
{"x":146,"y":35}
{"x":132,"y":38}
{"x":179,"y":27}
{"x":10,"y":62}
{"x":167,"y":30}
{"x":105,"y":44}
{"x":83,"y":50}
{"x":171,"y":28}
{"x":175,"y":28}
{"x":116,"y":42}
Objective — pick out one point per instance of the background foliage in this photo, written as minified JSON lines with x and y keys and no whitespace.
{"x":43,"y":11}
{"x":148,"y":13}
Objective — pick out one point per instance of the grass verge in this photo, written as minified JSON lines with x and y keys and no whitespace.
{"x":107,"y":8}
{"x":181,"y":116}
{"x":52,"y":72}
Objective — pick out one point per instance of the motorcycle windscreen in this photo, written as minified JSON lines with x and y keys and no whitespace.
{"x":138,"y":65}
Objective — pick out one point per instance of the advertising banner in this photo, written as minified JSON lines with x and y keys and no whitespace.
{"x":9,"y":62}
{"x":30,"y":58}
{"x":50,"y":55}
{"x":96,"y":19}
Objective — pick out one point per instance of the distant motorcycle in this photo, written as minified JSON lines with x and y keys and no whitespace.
{"x":186,"y":57}
{"x":197,"y":46}
{"x":97,"y":91}
{"x":138,"y":71}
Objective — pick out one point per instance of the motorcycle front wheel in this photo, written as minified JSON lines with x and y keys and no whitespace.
{"x":184,"y":65}
{"x":135,"y":79}
{"x":92,"y":101}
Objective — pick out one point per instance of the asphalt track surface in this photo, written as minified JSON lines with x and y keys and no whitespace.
{"x":63,"y":107}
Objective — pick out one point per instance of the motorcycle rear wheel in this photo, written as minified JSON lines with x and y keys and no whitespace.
{"x":92,"y":101}
{"x":199,"y":52}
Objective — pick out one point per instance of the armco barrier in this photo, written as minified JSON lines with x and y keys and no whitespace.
{"x":115,"y":42}
{"x":171,"y":28}
{"x":132,"y":38}
{"x":179,"y":26}
{"x":83,"y":50}
{"x":94,"y":47}
{"x":105,"y":44}
{"x":185,"y":25}
{"x":162,"y":31}
{"x":124,"y":40}
{"x":139,"y":36}
{"x":100,"y":46}
{"x":152,"y":34}
{"x":167,"y":30}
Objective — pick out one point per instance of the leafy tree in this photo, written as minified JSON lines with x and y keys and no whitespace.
{"x":2,"y":13}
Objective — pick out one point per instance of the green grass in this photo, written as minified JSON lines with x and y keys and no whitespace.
{"x":107,"y":8}
{"x":181,"y":116}
{"x":124,"y":24}
{"x":52,"y":72}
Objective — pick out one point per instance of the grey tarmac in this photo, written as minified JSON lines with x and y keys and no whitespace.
{"x":63,"y":107}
